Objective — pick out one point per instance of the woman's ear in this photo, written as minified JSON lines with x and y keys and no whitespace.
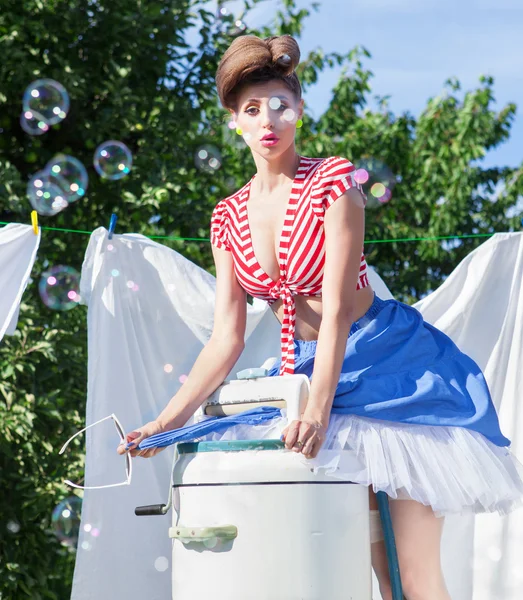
{"x":301,"y":104}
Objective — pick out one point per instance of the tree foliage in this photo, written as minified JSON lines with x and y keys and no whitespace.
{"x":133,"y":75}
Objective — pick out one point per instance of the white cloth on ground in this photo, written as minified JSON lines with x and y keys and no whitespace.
{"x":18,"y":247}
{"x":141,"y":342}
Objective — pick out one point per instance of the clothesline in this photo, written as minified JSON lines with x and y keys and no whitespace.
{"x":175,"y":238}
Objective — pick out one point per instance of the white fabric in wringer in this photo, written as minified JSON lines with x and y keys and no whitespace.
{"x":18,"y":247}
{"x":150,"y":313}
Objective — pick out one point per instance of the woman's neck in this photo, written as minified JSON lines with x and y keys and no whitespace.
{"x":272,"y":175}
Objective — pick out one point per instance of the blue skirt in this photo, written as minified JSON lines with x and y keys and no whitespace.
{"x":412,"y":417}
{"x":399,"y":368}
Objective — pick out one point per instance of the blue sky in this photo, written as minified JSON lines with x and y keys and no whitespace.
{"x":416,"y":45}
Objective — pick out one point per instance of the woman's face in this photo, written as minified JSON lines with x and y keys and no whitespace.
{"x":267,"y":114}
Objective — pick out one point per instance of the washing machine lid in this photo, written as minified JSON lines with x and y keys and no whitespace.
{"x":243,"y":461}
{"x":229,"y":446}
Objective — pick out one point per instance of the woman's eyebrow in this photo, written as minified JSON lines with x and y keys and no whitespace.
{"x":258,"y":100}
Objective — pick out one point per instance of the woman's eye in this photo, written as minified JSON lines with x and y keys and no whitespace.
{"x":281,"y":108}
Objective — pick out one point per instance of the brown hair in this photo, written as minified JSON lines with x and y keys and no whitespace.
{"x":250,"y":59}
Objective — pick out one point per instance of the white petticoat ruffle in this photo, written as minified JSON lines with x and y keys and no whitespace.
{"x":452,"y":469}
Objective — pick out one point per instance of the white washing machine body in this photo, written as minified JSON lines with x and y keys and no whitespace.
{"x":252,"y":522}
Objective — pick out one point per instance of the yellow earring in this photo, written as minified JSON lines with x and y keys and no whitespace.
{"x":299,"y":123}
{"x":239,"y":131}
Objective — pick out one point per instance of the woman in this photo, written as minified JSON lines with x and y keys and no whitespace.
{"x":416,"y":411}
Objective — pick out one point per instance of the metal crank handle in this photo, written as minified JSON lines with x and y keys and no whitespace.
{"x":151,"y":509}
{"x":158,"y":509}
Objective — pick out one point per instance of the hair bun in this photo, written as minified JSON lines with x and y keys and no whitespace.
{"x":285,"y":53}
{"x":250,"y":59}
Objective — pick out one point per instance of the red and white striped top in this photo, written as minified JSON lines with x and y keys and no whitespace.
{"x":318,"y":183}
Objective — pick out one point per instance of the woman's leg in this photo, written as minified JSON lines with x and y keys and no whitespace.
{"x":417,"y":532}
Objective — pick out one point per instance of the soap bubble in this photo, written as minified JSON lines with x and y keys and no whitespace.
{"x":289,"y":115}
{"x":494,"y":553}
{"x":33,"y":125}
{"x":208,"y":159}
{"x":47,"y":100}
{"x":221,"y":12}
{"x":210,"y":542}
{"x":94,"y":531}
{"x":66,"y":520}
{"x":89,"y":539}
{"x":238,"y":27}
{"x":44,"y":195}
{"x":161,"y":563}
{"x":230,"y":137}
{"x":59,"y":288}
{"x":274,"y":103}
{"x":230,"y":184}
{"x":13,"y":526}
{"x":112,"y":160}
{"x":69,"y":175}
{"x":376,"y":179}
{"x":168,"y":368}
{"x":361,"y":176}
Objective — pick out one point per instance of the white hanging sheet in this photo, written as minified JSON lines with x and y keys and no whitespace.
{"x":151,"y":312}
{"x":18,"y":247}
{"x":480,"y":306}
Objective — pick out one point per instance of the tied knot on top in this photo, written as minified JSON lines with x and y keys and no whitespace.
{"x":279,"y":289}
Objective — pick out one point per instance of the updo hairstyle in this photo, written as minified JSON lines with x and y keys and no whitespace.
{"x":250,"y":59}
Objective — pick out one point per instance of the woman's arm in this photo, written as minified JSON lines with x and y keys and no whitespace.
{"x":222,"y":351}
{"x":344,"y":226}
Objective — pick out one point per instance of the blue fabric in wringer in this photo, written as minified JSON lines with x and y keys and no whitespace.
{"x":256,"y":416}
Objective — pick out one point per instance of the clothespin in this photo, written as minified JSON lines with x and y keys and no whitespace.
{"x":34,"y":221}
{"x":112,"y":225}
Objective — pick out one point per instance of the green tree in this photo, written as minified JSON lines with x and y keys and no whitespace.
{"x":133,"y":76}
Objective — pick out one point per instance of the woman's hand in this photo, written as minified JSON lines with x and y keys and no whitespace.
{"x":136,"y":436}
{"x":305,"y":436}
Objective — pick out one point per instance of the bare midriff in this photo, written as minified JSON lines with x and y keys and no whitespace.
{"x":309,"y":312}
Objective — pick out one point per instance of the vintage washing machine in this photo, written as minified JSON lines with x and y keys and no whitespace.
{"x":253,"y":522}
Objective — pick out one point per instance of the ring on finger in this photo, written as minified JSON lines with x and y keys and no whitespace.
{"x":307,"y":447}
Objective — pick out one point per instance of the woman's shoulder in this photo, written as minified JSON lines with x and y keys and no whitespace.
{"x":329,"y":168}
{"x":321,"y":165}
{"x":332,"y":177}
{"x":233,"y":199}
{"x":334,"y":163}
